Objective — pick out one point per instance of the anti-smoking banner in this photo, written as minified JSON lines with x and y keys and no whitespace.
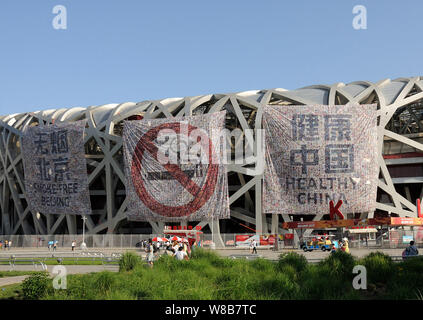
{"x":174,"y":169}
{"x":55,"y":169}
{"x":318,"y":153}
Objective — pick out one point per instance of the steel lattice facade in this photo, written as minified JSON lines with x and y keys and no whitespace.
{"x":400,"y":137}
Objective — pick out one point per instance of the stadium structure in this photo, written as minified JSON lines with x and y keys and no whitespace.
{"x":400,"y":149}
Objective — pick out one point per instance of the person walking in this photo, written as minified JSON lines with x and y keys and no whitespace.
{"x":150,"y":253}
{"x":254,"y":246}
{"x":345,"y":247}
{"x":54,"y":245}
{"x":193,"y":247}
{"x":6,"y":243}
{"x":73,"y":245}
{"x":276,"y":243}
{"x":9,"y":244}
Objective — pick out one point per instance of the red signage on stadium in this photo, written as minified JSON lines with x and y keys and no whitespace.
{"x":182,"y":228}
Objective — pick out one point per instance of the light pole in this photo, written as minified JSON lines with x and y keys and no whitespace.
{"x":83,"y":244}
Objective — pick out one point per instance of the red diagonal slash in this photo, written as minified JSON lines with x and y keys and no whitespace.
{"x":173,"y":169}
{"x":335,"y":210}
{"x":201,"y":195}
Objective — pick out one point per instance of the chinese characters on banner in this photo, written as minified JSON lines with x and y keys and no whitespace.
{"x":174,"y":169}
{"x":55,"y":169}
{"x":319,"y":153}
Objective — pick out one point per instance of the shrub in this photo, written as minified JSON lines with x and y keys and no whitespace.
{"x":211,"y":277}
{"x":339,"y":264}
{"x":121,"y":295}
{"x":297,"y":261}
{"x":261,"y":264}
{"x":413,"y":264}
{"x":288,"y":270}
{"x":128,"y":261}
{"x":406,"y":279}
{"x":35,"y":286}
{"x":105,"y":281}
{"x":222,"y":263}
{"x":275,"y":286}
{"x":379,"y":267}
{"x":79,"y":287}
{"x":166,"y":262}
{"x":324,"y":281}
{"x":200,"y":253}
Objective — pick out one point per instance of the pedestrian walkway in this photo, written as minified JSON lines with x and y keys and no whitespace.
{"x":311,"y":256}
{"x":11,"y":280}
{"x":70,"y":269}
{"x":266,"y":253}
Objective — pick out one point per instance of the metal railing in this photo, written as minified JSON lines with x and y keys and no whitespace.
{"x":43,"y":262}
{"x":96,"y":241}
{"x":123,"y":241}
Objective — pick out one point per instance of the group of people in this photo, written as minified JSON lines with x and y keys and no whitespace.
{"x":340,"y":245}
{"x":7,"y":244}
{"x":181,"y":250}
{"x":52,"y":245}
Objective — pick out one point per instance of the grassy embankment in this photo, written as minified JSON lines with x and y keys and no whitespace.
{"x":208,"y":276}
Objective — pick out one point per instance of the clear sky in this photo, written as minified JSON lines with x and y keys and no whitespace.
{"x":135,"y":50}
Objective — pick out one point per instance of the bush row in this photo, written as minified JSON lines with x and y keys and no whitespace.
{"x":208,"y":276}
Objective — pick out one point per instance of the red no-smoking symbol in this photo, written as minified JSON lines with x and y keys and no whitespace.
{"x":201,"y":194}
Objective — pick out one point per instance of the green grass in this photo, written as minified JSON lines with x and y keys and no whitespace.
{"x":65,"y":261}
{"x":11,"y":292}
{"x":15,"y":273}
{"x":129,"y":261}
{"x":209,"y":277}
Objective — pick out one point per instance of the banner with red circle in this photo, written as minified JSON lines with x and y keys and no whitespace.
{"x":173,"y":169}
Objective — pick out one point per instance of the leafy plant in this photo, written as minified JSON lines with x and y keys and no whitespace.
{"x":199,"y":253}
{"x":297,"y":261}
{"x":128,"y":261}
{"x":339,"y":264}
{"x":105,"y":281}
{"x":209,"y":276}
{"x":35,"y":286}
{"x":379,"y":266}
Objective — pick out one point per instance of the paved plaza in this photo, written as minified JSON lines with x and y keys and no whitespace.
{"x":267,"y":253}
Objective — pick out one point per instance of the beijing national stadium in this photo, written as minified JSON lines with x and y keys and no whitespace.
{"x":400,"y":157}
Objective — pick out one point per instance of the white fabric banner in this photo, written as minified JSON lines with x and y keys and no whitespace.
{"x":55,"y":169}
{"x":318,"y":153}
{"x":174,"y":169}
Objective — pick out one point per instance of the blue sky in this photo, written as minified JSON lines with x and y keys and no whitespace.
{"x":133,"y":50}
